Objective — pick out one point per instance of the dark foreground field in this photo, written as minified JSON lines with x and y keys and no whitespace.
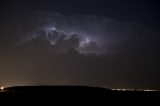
{"x":74,"y":91}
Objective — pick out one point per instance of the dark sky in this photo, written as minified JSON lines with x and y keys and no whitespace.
{"x":110,"y":43}
{"x":143,"y":11}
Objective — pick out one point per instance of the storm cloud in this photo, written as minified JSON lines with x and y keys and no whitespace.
{"x":52,"y":48}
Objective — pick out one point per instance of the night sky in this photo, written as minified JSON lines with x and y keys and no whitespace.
{"x":110,"y":43}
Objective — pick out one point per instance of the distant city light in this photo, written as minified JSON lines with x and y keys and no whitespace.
{"x":147,"y":90}
{"x":1,"y":89}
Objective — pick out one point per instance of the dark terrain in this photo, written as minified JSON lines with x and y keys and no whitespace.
{"x":70,"y":91}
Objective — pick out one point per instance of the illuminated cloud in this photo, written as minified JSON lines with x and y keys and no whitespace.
{"x":52,"y":48}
